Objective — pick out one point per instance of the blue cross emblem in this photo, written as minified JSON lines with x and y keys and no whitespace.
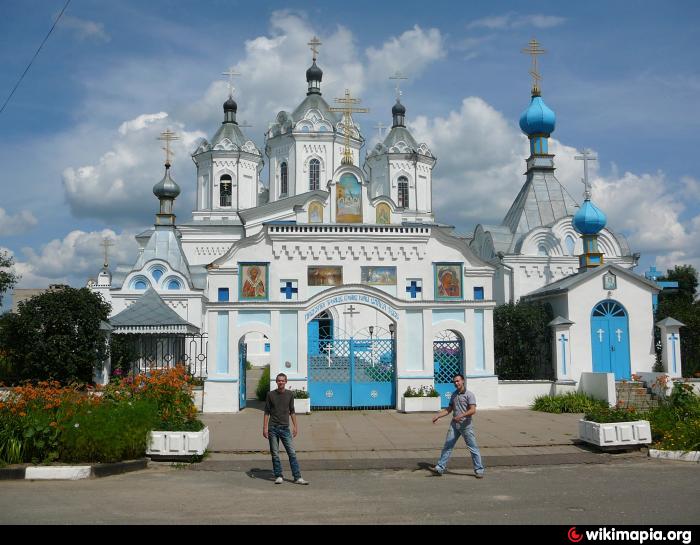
{"x":413,"y":289}
{"x":652,"y":273}
{"x":288,"y":290}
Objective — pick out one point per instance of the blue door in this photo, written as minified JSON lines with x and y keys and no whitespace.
{"x":448,"y":355}
{"x":351,"y":373}
{"x":242,"y":357}
{"x":610,"y":345}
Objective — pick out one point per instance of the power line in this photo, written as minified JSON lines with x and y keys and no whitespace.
{"x":34,"y":57}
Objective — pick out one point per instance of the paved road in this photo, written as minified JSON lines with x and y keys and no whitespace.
{"x":624,"y":491}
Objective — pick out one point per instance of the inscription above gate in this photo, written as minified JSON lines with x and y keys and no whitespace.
{"x":352,"y":298}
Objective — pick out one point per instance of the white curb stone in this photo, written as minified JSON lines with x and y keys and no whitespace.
{"x":690,"y":456}
{"x":71,"y":473}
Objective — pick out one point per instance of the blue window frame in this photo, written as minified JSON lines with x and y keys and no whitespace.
{"x":478,"y":293}
{"x":223,"y":294}
{"x":267,"y":347}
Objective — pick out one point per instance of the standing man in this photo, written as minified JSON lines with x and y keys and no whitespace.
{"x":463,"y":405}
{"x":279,"y":406}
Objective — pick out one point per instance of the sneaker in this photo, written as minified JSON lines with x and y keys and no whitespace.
{"x":479,"y":475}
{"x":279,"y":480}
{"x":435,"y":471}
{"x":301,"y":481}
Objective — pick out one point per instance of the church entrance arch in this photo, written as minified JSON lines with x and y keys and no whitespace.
{"x":448,"y":361}
{"x":610,"y":346}
{"x":354,"y":366}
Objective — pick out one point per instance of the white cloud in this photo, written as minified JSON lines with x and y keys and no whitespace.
{"x":20,"y":223}
{"x":74,"y":258}
{"x":141,"y":122}
{"x":85,"y":29}
{"x":513,"y":20}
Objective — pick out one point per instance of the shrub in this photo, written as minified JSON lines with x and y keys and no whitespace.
{"x":571,"y":402}
{"x":263,"y":385}
{"x":675,"y":424}
{"x":612,"y":414}
{"x":423,"y":391}
{"x":300,"y":394}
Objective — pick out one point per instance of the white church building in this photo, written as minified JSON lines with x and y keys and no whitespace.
{"x":337,"y":273}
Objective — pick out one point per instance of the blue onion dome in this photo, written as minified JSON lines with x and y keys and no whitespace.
{"x":398,"y":109}
{"x":230,"y":105}
{"x":538,"y":118}
{"x":589,"y":220}
{"x":166,"y":188}
{"x":314,"y":73}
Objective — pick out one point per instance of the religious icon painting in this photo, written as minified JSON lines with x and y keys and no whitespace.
{"x":325,"y":276}
{"x":448,"y":280}
{"x":378,"y":276}
{"x":383,"y":214}
{"x":315,"y":212}
{"x":348,"y":200}
{"x":609,"y":281}
{"x":252,"y":281}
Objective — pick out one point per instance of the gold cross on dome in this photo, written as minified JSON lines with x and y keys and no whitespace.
{"x":106,"y":243}
{"x":533,"y":49}
{"x":230,"y":73}
{"x":313,"y":44}
{"x":347,"y":109}
{"x":168,"y":136}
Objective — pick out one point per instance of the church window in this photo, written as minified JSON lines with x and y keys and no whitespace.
{"x":542,"y":250}
{"x":284,"y":181}
{"x":223,"y":294}
{"x":478,"y":293}
{"x":570,"y":245}
{"x":225,"y":190}
{"x":174,"y":285}
{"x":314,"y":174}
{"x":157,"y":273}
{"x":140,"y":285}
{"x":403,"y":192}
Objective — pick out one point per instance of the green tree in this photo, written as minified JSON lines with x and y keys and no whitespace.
{"x":523,"y":341}
{"x":8,"y":277}
{"x":681,"y":305}
{"x":56,"y":336}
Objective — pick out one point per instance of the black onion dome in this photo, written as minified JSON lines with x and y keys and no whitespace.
{"x":230,"y":105}
{"x":314,"y":73}
{"x":398,"y":109}
{"x":166,"y":188}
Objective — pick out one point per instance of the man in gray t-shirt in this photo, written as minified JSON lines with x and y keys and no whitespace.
{"x":463,"y":405}
{"x":279,"y":406}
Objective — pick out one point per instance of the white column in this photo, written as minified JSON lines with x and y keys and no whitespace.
{"x":671,"y":346}
{"x":561,"y":348}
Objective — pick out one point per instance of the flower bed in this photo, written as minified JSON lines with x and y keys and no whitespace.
{"x":48,"y":422}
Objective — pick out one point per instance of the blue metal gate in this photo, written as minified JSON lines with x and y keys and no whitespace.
{"x":610,"y":340}
{"x":242,"y":357}
{"x":352,"y":373}
{"x":448,"y":356}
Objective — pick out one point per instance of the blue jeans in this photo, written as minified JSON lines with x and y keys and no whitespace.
{"x":276,"y":434}
{"x":453,"y":435}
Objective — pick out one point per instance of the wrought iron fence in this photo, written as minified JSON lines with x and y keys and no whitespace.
{"x":143,"y":353}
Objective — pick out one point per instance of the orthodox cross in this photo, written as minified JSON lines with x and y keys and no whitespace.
{"x":586,"y":155}
{"x":168,"y":136}
{"x":313,"y":44}
{"x":380,"y":127}
{"x":563,"y":340}
{"x":673,"y":337}
{"x":533,"y":49}
{"x":619,"y":334}
{"x":398,"y":76}
{"x":230,"y":73}
{"x":347,"y":110}
{"x":351,"y":312}
{"x":600,"y":334}
{"x":106,"y":243}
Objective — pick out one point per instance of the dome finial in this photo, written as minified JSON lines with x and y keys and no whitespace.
{"x":230,"y":106}
{"x":533,"y":49}
{"x":314,"y":74}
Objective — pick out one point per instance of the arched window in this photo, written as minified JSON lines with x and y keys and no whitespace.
{"x":570,"y":244}
{"x":157,"y":273}
{"x":174,"y":285}
{"x":314,"y":174}
{"x":284,"y":181}
{"x":403,"y":192}
{"x":140,"y":285}
{"x":225,"y":190}
{"x":542,"y":250}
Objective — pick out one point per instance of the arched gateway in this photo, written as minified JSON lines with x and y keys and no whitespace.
{"x":351,"y":359}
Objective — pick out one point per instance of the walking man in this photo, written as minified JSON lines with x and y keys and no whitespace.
{"x":279,"y":406}
{"x":463,"y":406}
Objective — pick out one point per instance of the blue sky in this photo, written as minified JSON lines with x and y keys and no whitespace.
{"x":79,"y":153}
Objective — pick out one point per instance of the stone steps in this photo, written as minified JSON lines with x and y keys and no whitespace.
{"x":634,"y":395}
